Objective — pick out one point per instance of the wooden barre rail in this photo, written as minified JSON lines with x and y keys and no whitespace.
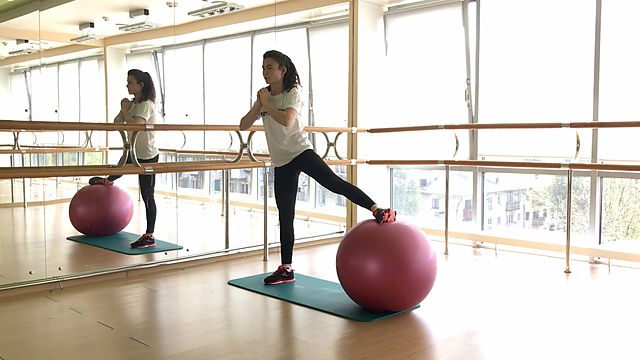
{"x":511,"y":126}
{"x":189,"y":166}
{"x":28,"y":126}
{"x":52,"y":150}
{"x":509,"y":164}
{"x":147,"y":168}
{"x":18,"y":125}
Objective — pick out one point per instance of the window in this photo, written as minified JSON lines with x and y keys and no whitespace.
{"x":325,"y":198}
{"x":92,"y":105}
{"x":619,"y":58}
{"x":435,"y":82}
{"x":547,"y":88}
{"x":435,"y":203}
{"x":620,"y":215}
{"x":240,"y":181}
{"x":191,"y":180}
{"x":18,"y":104}
{"x":183,"y":92}
{"x":260,"y":182}
{"x":227,"y":93}
{"x":44,"y":93}
{"x":330,"y":74}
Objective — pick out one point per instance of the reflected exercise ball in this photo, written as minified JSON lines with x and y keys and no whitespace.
{"x":98,"y":210}
{"x":386,"y":267}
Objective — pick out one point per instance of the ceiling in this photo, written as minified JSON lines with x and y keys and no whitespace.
{"x":60,"y":20}
{"x":107,"y":15}
{"x":52,"y":23}
{"x":6,"y":5}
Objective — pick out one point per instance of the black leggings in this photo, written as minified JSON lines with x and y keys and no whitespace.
{"x":286,"y":189}
{"x":147,"y":187}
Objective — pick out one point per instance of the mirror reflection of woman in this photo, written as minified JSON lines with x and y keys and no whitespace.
{"x":140,"y":110}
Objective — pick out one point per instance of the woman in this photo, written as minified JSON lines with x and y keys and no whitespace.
{"x":142,"y":110}
{"x":279,"y":105}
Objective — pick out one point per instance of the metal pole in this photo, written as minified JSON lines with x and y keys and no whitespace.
{"x":446,"y":210}
{"x":223,"y":176}
{"x":226,"y":209}
{"x":265,"y":196}
{"x":11,"y":160}
{"x":568,"y":250}
{"x":24,"y":188}
{"x":595,"y":201}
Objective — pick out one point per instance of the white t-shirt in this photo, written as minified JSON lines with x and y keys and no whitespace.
{"x":285,"y":143}
{"x":145,"y":142}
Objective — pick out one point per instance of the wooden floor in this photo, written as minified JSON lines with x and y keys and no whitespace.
{"x":34,"y":245}
{"x":485,"y":305}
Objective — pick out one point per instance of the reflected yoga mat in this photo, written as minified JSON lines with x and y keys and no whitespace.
{"x":121,"y":242}
{"x":318,"y":294}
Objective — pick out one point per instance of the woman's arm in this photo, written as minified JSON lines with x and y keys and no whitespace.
{"x":119,"y":119}
{"x":285,"y":117}
{"x":134,"y":120}
{"x":125,"y":106}
{"x":251,"y":116}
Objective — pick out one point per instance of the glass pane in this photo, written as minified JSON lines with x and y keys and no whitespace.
{"x":534,"y":206}
{"x":15,"y":99}
{"x":434,"y":83}
{"x":226,"y":104}
{"x":44,"y":92}
{"x":69,"y":100}
{"x":419,"y":196}
{"x":619,"y":57}
{"x":430,"y":89}
{"x":183,"y":69}
{"x":620,"y":215}
{"x":200,"y":214}
{"x":331,"y":203}
{"x":92,"y":95}
{"x":330,"y":74}
{"x":192,"y":182}
{"x":526,"y":83}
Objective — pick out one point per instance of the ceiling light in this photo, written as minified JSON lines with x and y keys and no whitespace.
{"x":216,"y":8}
{"x":86,"y":38}
{"x":25,"y":51}
{"x":23,"y":47}
{"x":88,"y":35}
{"x":140,"y":25}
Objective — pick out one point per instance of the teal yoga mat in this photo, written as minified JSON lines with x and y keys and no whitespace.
{"x":318,"y":294}
{"x":121,"y":242}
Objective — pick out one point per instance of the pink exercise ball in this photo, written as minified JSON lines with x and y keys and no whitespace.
{"x":386,"y":267}
{"x":98,"y":210}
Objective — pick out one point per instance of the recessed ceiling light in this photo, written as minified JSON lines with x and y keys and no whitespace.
{"x":216,"y":8}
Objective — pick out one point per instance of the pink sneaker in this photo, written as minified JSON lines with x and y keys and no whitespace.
{"x":145,"y":241}
{"x":384,"y":215}
{"x":97,"y":180}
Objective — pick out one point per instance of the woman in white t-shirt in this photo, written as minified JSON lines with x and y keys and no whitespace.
{"x":142,"y":110}
{"x":279,"y":106}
